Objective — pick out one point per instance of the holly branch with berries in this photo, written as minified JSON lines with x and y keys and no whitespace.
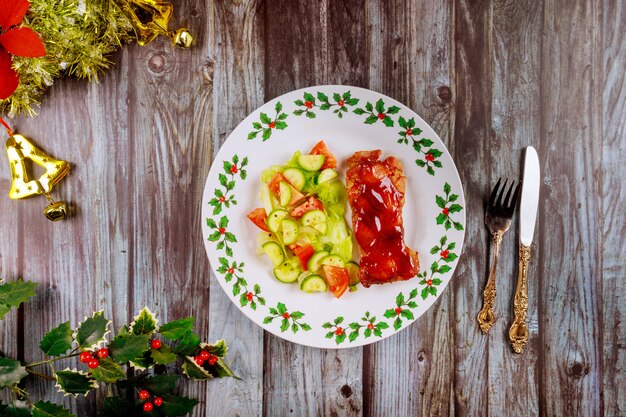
{"x":142,"y":363}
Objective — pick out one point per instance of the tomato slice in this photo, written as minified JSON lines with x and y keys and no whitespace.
{"x":321,"y":149}
{"x":259,"y":218}
{"x":274,"y":186}
{"x":303,"y":252}
{"x":311,"y":204}
{"x":337,"y":279}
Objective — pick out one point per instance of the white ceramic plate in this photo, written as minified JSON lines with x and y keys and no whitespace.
{"x":349,"y":119}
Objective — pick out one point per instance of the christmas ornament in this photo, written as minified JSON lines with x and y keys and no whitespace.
{"x":20,"y":149}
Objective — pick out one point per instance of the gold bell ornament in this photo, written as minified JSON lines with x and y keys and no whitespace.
{"x":150,"y":19}
{"x":20,"y":149}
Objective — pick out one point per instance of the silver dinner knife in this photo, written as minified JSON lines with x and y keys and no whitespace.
{"x":518,"y":332}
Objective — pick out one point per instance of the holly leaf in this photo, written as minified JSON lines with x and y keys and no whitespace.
{"x":266,"y":134}
{"x":397,"y":323}
{"x":58,"y":340}
{"x":388,"y":121}
{"x":390,"y":313}
{"x":380,"y":106}
{"x":142,"y":362}
{"x":74,"y":382}
{"x":425,"y":293}
{"x":177,"y":406}
{"x":108,"y":371}
{"x":160,"y":384}
{"x":187,"y":345}
{"x":14,"y":293}
{"x":218,"y":348}
{"x":284,"y":325}
{"x":441,"y":218}
{"x":407,"y":314}
{"x":393,"y":109}
{"x":400,"y":299}
{"x":162,"y":355}
{"x":252,"y":135}
{"x":441,"y":203}
{"x":176,"y":329}
{"x":359,"y":111}
{"x":125,"y":348}
{"x":265,"y":119}
{"x":354,"y":335}
{"x":278,"y":107}
{"x":92,"y":331}
{"x":194,"y":371}
{"x":371,"y":119}
{"x":11,"y":372}
{"x":116,"y":406}
{"x":455,"y":208}
{"x":144,"y":322}
{"x":221,"y":370}
{"x":47,"y":409}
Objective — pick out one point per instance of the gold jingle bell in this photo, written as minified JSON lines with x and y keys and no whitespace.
{"x":150,"y":19}
{"x":56,"y":211}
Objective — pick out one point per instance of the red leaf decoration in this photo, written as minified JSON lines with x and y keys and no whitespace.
{"x":23,"y":42}
{"x":12,"y":12}
{"x":8,"y":77}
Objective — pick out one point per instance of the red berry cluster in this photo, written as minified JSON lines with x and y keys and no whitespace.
{"x":93,"y":359}
{"x":148,"y":405}
{"x":205,"y":356}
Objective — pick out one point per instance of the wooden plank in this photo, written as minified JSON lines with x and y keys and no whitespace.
{"x":235,"y":70}
{"x":613,"y":197}
{"x":412,"y":373}
{"x":569,"y":231}
{"x":312,"y":43}
{"x":515,"y":79}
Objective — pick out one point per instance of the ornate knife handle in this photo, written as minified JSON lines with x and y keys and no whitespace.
{"x":518,"y":333}
{"x":486,"y":318}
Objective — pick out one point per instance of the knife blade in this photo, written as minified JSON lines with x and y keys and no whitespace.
{"x":530,"y":196}
{"x":518,"y":332}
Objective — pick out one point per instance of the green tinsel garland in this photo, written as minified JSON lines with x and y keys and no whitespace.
{"x":79,"y":36}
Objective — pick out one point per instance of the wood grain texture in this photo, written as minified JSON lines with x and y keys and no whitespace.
{"x":613,"y":199}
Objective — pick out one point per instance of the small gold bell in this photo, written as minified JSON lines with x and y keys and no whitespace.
{"x":56,"y":211}
{"x":183,"y":38}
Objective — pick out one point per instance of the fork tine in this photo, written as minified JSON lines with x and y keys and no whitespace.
{"x":516,"y":195}
{"x":501,"y":194}
{"x":505,"y":202}
{"x":494,"y":193}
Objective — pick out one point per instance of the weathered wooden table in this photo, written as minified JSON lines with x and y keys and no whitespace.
{"x":491,"y":78}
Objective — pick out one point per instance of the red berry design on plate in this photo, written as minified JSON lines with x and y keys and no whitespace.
{"x":85,"y":357}
{"x":199,"y":361}
{"x":231,"y":271}
{"x":102,"y":353}
{"x":340,"y":103}
{"x":429,"y":282}
{"x":222,"y":199}
{"x":204,"y":355}
{"x":272,"y":125}
{"x":212,"y":360}
{"x":381,"y":116}
{"x":409,"y":132}
{"x":158,"y":401}
{"x":339,"y":331}
{"x":249,"y":296}
{"x":156,"y":343}
{"x":144,"y":395}
{"x":308,"y":104}
{"x":445,"y":211}
{"x":370,"y":326}
{"x":429,"y":157}
{"x":286,"y":316}
{"x":233,"y":169}
{"x":222,"y":230}
{"x":444,"y":254}
{"x":93,"y":364}
{"x":147,"y":407}
{"x":398,"y":310}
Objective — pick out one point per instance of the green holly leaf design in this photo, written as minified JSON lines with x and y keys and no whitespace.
{"x":367,"y":333}
{"x":359,"y":111}
{"x":266,"y":134}
{"x":177,"y":329}
{"x":397,"y":323}
{"x":144,"y":323}
{"x":74,"y":382}
{"x":14,"y":293}
{"x":371,"y":119}
{"x":252,"y":135}
{"x":194,"y":371}
{"x":340,"y":338}
{"x":116,"y":406}
{"x":11,"y":372}
{"x":187,"y":345}
{"x":407,"y":314}
{"x":124,"y":348}
{"x":441,"y":219}
{"x":400,"y":300}
{"x":305,"y":327}
{"x":108,"y":371}
{"x":284,"y":325}
{"x":160,"y":384}
{"x":327,"y":325}
{"x":92,"y":331}
{"x":58,"y":340}
{"x":425,"y":293}
{"x":47,"y":409}
{"x":390,"y":313}
{"x":163,"y":355}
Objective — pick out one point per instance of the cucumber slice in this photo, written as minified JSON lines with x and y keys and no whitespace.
{"x":314,"y":264}
{"x":295,"y":177}
{"x":284,"y":191}
{"x":290,"y":231}
{"x":311,"y":162}
{"x":275,"y":252}
{"x":333,"y":260}
{"x":288,"y":271}
{"x":316,"y":219}
{"x":313,"y":283}
{"x":274,"y":219}
{"x":353,"y":272}
{"x":327,"y":175}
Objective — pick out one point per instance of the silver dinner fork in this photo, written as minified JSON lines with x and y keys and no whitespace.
{"x":500,"y":210}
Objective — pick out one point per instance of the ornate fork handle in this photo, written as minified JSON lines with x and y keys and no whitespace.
{"x":518,"y":333}
{"x":486,"y":317}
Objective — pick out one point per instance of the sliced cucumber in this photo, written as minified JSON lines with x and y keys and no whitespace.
{"x":327,"y":175}
{"x":274,"y":219}
{"x":333,"y":260}
{"x":316,"y":219}
{"x":290,"y":231}
{"x":353,"y":272}
{"x":288,"y":271}
{"x":284,"y":191}
{"x":311,"y":162}
{"x":313,"y":283}
{"x":295,"y":177}
{"x":314,"y":263}
{"x":275,"y":252}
